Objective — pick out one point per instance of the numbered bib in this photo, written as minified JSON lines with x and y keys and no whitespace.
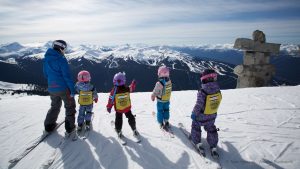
{"x":212,"y":103}
{"x":122,"y":101}
{"x":167,"y":93}
{"x":85,"y":98}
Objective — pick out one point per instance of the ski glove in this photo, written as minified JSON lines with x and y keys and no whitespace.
{"x":132,"y":86}
{"x":193,"y":116}
{"x":96,"y":100}
{"x":152,"y":98}
{"x":108,"y":110}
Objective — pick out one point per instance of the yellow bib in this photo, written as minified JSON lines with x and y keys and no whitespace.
{"x":85,"y":98}
{"x":212,"y":103}
{"x":122,"y":101}
{"x":167,"y":94}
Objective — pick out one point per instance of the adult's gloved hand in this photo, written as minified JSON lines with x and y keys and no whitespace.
{"x":96,"y":100}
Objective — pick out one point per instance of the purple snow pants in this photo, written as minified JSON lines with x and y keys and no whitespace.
{"x":208,"y":122}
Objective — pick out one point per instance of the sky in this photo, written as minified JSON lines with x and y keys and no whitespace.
{"x":170,"y":22}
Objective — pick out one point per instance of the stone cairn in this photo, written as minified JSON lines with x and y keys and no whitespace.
{"x":256,"y":70}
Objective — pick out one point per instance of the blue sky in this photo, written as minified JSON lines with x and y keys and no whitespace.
{"x":174,"y":22}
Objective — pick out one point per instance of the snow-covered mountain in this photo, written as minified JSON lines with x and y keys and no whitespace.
{"x":137,"y":52}
{"x":141,"y":54}
{"x":140,"y":62}
{"x":23,"y":63}
{"x":259,"y":128}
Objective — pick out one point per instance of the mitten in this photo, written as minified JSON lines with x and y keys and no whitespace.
{"x":108,"y":110}
{"x":152,"y":97}
{"x":133,"y":85}
{"x":193,"y":116}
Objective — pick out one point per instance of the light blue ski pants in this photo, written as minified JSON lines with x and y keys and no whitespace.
{"x":163,"y":111}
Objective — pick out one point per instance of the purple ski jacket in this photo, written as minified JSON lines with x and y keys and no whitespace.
{"x":198,"y":110}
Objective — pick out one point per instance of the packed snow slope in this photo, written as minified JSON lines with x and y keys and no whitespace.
{"x":259,"y":128}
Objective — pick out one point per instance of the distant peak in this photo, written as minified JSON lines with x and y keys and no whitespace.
{"x":15,"y":46}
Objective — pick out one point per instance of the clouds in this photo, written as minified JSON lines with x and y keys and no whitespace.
{"x":141,"y":21}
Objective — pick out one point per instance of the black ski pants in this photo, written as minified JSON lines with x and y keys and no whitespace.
{"x":56,"y":102}
{"x":119,"y":120}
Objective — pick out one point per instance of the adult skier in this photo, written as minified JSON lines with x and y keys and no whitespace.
{"x":60,"y":88}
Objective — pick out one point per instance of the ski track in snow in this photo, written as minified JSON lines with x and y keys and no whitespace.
{"x":259,"y":128}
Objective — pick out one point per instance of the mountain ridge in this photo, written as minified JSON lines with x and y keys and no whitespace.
{"x":24,"y":64}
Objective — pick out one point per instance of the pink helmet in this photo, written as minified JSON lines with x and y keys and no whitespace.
{"x":84,"y":76}
{"x":163,"y":71}
{"x":208,"y":75}
{"x":119,"y":79}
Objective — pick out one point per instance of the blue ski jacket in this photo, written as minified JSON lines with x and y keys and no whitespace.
{"x":57,"y":72}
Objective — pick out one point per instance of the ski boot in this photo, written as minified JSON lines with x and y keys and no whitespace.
{"x":167,"y":124}
{"x":214,"y":152}
{"x":161,"y":125}
{"x":136,"y":133}
{"x":136,"y":136}
{"x":119,"y":134}
{"x":201,"y":149}
{"x":121,"y":138}
{"x":87,"y":125}
{"x":50,"y":128}
{"x":79,"y":127}
{"x":73,"y":135}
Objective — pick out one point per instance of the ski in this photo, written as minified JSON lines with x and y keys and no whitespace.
{"x":215,"y":155}
{"x":53,"y":156}
{"x":61,"y":145}
{"x":201,"y":151}
{"x":37,"y":141}
{"x":137,"y":139}
{"x":168,"y":131}
{"x":84,"y":132}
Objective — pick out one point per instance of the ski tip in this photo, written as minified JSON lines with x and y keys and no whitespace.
{"x":12,"y":165}
{"x":138,"y":141}
{"x":12,"y":161}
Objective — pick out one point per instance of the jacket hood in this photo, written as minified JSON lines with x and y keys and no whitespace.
{"x":211,"y":87}
{"x":52,"y":54}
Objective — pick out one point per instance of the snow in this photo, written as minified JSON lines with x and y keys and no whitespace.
{"x":12,"y":86}
{"x":259,"y":128}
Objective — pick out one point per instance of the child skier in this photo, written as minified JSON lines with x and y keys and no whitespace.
{"x":120,"y":98}
{"x":205,"y":111}
{"x":87,"y":94}
{"x":162,"y":92}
